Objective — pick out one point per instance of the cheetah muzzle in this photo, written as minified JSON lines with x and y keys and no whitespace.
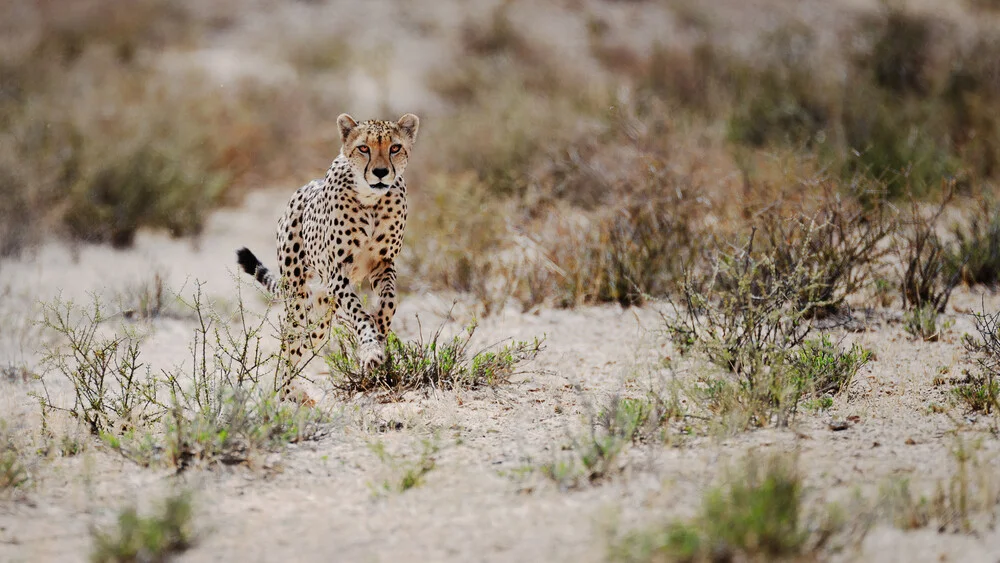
{"x":339,"y":231}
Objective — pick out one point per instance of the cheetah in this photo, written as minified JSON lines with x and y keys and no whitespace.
{"x":340,"y":231}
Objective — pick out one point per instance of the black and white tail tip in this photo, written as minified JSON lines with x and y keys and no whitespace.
{"x":253,"y":266}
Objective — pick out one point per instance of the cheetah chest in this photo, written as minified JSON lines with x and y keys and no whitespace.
{"x":371,"y":244}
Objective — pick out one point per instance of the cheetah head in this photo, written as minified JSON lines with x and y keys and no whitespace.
{"x":377,"y":150}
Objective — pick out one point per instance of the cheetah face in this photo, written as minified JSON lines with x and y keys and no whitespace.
{"x":377,"y":150}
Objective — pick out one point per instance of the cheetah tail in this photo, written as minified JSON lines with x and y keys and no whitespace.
{"x":255,"y":268}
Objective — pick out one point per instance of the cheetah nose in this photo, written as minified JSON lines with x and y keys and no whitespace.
{"x":380,"y":172}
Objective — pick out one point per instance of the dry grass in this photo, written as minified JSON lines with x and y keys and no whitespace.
{"x":437,"y":363}
{"x":757,"y":514}
{"x":100,"y":137}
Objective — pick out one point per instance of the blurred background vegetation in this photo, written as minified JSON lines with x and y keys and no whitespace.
{"x":571,"y":152}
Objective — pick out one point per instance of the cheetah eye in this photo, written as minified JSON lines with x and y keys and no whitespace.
{"x":395,"y":148}
{"x":363,"y":149}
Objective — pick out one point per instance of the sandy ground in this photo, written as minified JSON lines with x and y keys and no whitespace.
{"x":316,"y":501}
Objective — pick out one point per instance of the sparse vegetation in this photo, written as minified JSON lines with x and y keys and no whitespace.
{"x":101,"y":139}
{"x":981,"y":391}
{"x":929,"y":278}
{"x":752,"y":314}
{"x":593,"y":456}
{"x":406,"y":473}
{"x":573,"y":156}
{"x":962,"y":503}
{"x":13,"y":473}
{"x":758,"y":514}
{"x":438,"y":363}
{"x":223,"y":409}
{"x":976,"y":256}
{"x":156,"y":538}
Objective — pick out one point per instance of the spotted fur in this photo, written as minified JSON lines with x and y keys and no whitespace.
{"x":343,"y":230}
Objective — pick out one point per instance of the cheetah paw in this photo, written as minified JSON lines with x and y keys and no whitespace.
{"x":371,"y":355}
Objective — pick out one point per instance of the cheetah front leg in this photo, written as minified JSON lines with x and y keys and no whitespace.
{"x":371,"y":344}
{"x":384,"y":285}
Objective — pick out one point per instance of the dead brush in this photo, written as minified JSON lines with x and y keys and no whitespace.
{"x":751,"y":309}
{"x":221,"y":406}
{"x":758,"y":513}
{"x":929,"y":278}
{"x":976,"y":254}
{"x":835,"y":247}
{"x":635,"y":246}
{"x":964,"y":502}
{"x":981,"y":391}
{"x":437,"y":363}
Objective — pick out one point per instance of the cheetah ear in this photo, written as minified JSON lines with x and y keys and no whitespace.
{"x":346,"y":124}
{"x":409,"y":124}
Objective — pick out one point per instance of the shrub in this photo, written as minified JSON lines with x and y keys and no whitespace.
{"x":822,"y":368}
{"x":222,"y":409}
{"x":99,"y":139}
{"x":746,"y":318}
{"x":834,"y":248}
{"x":633,"y":249}
{"x":981,"y":392}
{"x":13,"y":473}
{"x":899,"y":58}
{"x":114,"y":389}
{"x":143,"y":187}
{"x":976,"y":255}
{"x":757,"y":514}
{"x":929,"y":278}
{"x":752,"y":311}
{"x":594,"y":455}
{"x":781,"y":103}
{"x":158,"y":537}
{"x":922,"y":322}
{"x":437,"y":363}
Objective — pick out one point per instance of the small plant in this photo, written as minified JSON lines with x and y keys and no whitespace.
{"x":981,"y":391}
{"x":594,"y":455}
{"x":822,"y":368}
{"x":971,"y":490}
{"x":438,"y":363}
{"x":13,"y":473}
{"x":756,"y":515}
{"x":222,"y":407}
{"x":158,"y":537}
{"x":929,"y":278}
{"x":922,"y":322}
{"x":229,"y":405}
{"x":976,"y":256}
{"x":407,"y":474}
{"x":147,"y":300}
{"x":113,"y":388}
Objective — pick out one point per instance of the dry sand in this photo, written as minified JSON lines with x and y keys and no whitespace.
{"x":317,"y":500}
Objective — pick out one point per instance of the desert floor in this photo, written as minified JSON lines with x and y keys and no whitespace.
{"x":318,"y":500}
